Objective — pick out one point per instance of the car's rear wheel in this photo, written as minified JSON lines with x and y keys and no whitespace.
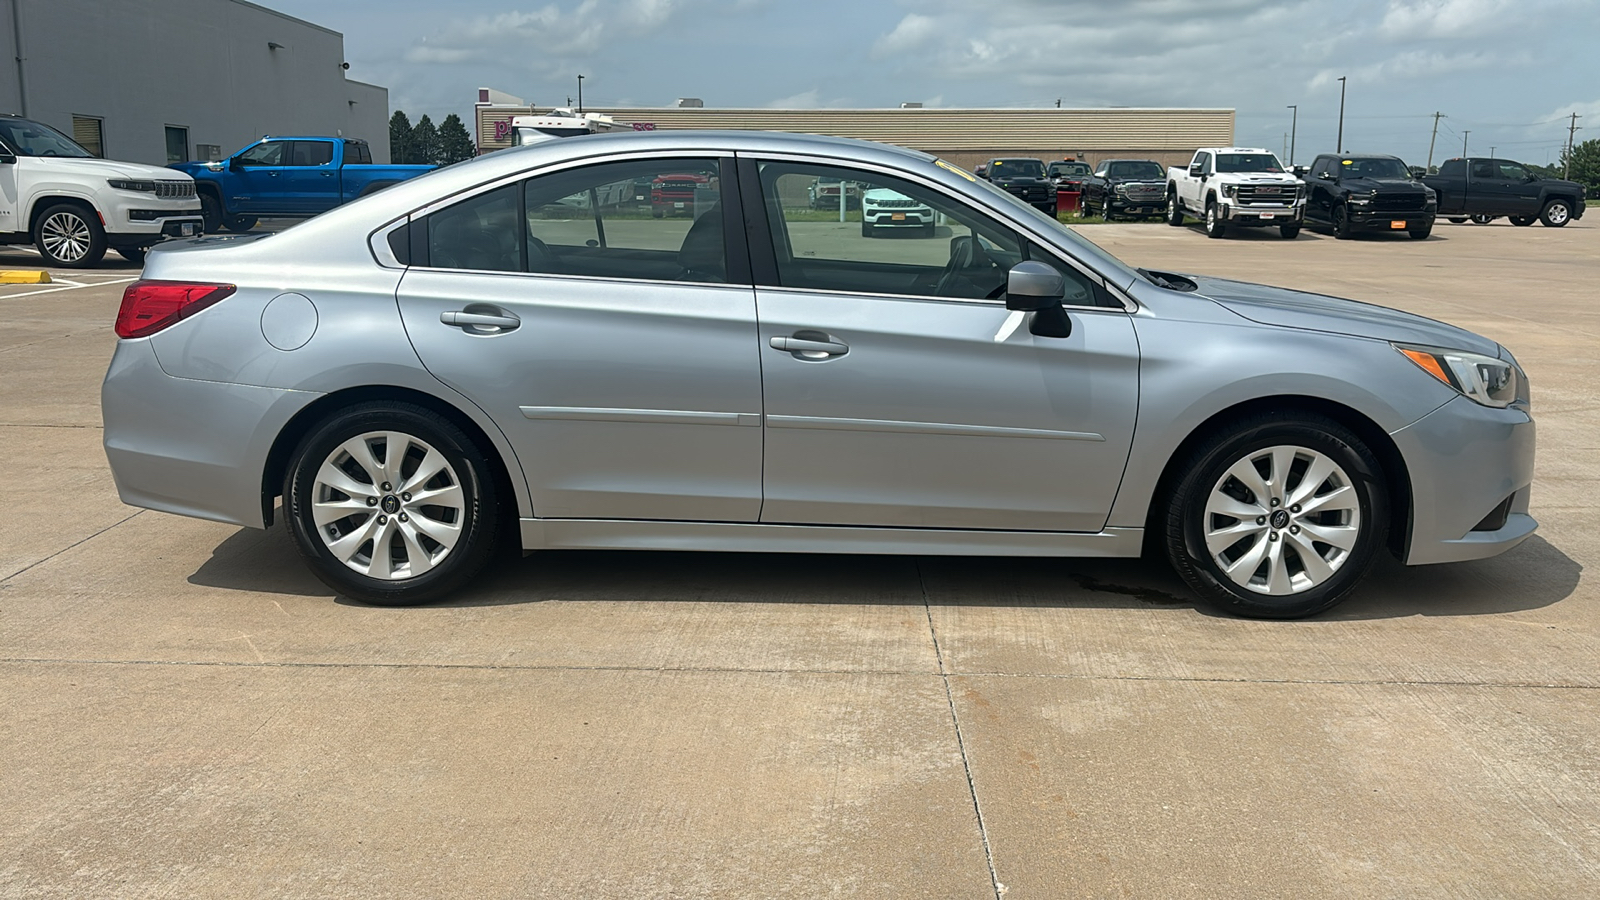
{"x":1215,"y":227}
{"x":1458,"y":220}
{"x":69,"y":235}
{"x":1523,"y":221}
{"x":391,"y":504}
{"x":239,"y":223}
{"x":1556,"y":214}
{"x":1277,"y":517}
{"x":1483,"y":219}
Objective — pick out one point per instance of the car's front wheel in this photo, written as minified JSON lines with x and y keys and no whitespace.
{"x":1174,"y":211}
{"x":1277,"y":517}
{"x":69,"y":235}
{"x":1288,"y":232}
{"x":1556,"y":214}
{"x":391,"y":503}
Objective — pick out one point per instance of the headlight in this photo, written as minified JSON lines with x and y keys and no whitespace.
{"x":1122,"y":189}
{"x":1484,"y":379}
{"x":124,"y":184}
{"x":1229,"y":189}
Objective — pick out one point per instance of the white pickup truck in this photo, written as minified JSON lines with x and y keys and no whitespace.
{"x":1244,"y":186}
{"x":72,"y":206}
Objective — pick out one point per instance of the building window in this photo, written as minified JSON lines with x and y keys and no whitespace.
{"x":177,"y":144}
{"x":86,"y":130}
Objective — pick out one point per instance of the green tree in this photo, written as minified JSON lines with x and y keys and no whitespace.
{"x":425,"y":142}
{"x":455,"y":144}
{"x":1582,"y":164}
{"x":399,"y":137}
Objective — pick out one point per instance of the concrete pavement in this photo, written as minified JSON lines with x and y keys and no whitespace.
{"x":185,"y":711}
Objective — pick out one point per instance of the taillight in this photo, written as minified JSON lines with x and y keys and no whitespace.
{"x":149,"y":306}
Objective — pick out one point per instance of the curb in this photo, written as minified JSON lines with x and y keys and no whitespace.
{"x":23,"y":276}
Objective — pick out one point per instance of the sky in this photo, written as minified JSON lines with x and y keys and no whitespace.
{"x":1505,"y":73}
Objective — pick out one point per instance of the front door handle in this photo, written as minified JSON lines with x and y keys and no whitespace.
{"x":809,"y":345}
{"x":480,"y":320}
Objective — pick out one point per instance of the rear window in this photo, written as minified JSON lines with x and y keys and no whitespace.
{"x":1456,"y":167}
{"x":358,"y":153}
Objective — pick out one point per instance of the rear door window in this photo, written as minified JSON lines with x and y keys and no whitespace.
{"x":312,"y":153}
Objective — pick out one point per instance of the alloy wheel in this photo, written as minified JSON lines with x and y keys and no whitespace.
{"x":1282,"y":520}
{"x":388,"y":505}
{"x":66,"y":236}
{"x":1557,"y":214}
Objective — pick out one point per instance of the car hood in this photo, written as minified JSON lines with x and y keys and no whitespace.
{"x":1382,"y":185}
{"x":1318,"y":312}
{"x":1257,"y":178}
{"x":102,"y":168}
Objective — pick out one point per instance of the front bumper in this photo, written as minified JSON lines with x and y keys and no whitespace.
{"x":1378,"y":220}
{"x":195,"y":448}
{"x":1465,"y":460}
{"x":1263,"y":214}
{"x":909,"y":218}
{"x":1130,"y":207}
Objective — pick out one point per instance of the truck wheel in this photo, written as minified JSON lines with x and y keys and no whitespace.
{"x":1215,"y":227}
{"x":1288,"y":232}
{"x":1483,"y":219}
{"x":1556,"y":213}
{"x":134,"y":255}
{"x":239,"y":223}
{"x":69,"y":235}
{"x":211,"y":212}
{"x":1523,"y":221}
{"x":1458,"y":220}
{"x":1421,"y":234}
{"x":1341,"y":222}
{"x":1105,"y":209}
{"x":1174,"y":211}
{"x":866,"y":229}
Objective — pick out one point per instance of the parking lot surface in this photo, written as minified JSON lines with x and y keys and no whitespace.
{"x":185,"y":711}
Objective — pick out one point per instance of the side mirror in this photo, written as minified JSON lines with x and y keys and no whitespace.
{"x":1300,"y":171}
{"x":7,"y":158}
{"x":235,"y":164}
{"x":1038,"y":288}
{"x":1197,"y":172}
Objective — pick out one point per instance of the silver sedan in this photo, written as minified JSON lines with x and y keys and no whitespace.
{"x":516,"y":349}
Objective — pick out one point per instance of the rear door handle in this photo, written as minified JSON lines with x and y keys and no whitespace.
{"x":477,"y":322}
{"x":809,"y":345}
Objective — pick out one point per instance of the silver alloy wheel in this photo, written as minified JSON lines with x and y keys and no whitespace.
{"x":388,"y":505}
{"x":1211,"y":217}
{"x":1557,"y":213}
{"x":1282,"y":520}
{"x":66,"y":236}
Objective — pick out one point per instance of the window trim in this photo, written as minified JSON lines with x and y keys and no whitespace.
{"x":756,"y":217}
{"x":736,"y":252}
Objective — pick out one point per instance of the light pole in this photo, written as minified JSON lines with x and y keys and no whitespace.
{"x":1464,"y":134}
{"x":1294,"y":124}
{"x":580,"y":95}
{"x":1339,"y":144}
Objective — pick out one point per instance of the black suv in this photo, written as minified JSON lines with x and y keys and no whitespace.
{"x":1126,"y":187}
{"x":1025,"y":178}
{"x":1352,"y":192}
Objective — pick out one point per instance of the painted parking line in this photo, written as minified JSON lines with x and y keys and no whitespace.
{"x":62,"y":284}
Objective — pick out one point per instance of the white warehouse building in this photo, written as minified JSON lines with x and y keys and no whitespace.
{"x":160,"y":81}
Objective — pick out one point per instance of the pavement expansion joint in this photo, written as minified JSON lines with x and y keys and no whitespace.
{"x":77,"y":543}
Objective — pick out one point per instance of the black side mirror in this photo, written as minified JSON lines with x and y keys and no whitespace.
{"x":1038,"y":288}
{"x":1197,"y":172}
{"x":1328,"y":176}
{"x":7,"y":158}
{"x":235,"y":164}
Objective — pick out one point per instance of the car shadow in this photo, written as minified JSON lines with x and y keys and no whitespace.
{"x":1532,"y":576}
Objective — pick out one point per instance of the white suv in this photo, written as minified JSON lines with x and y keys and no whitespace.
{"x":72,"y":206}
{"x":883,"y":208}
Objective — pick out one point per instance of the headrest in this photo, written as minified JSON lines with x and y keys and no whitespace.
{"x":702,"y":253}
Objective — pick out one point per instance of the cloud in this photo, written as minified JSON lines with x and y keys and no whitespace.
{"x":545,"y":35}
{"x":912,"y":32}
{"x":811,"y":99}
{"x":1412,"y":19}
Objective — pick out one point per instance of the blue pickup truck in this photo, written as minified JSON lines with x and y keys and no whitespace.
{"x":288,"y":177}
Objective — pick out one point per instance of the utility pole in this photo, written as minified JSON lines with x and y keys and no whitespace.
{"x":580,"y":95}
{"x":1464,"y":142}
{"x":1572,"y":132}
{"x":1294,"y":123}
{"x":1436,"y":117}
{"x":1339,"y":144}
{"x":1491,"y":151}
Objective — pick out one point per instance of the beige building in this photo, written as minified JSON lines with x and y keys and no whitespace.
{"x":965,"y":137}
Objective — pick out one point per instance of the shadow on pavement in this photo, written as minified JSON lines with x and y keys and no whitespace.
{"x":1532,"y":576}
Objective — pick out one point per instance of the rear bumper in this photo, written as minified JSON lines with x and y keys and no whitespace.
{"x":195,"y":448}
{"x":1465,"y":460}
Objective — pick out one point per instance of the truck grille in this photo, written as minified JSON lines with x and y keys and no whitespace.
{"x":1273,"y":194}
{"x":175,"y":189}
{"x":1400,"y":202}
{"x":1145,"y":193}
{"x":1029,"y":193}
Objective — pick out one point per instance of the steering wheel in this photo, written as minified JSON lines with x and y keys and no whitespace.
{"x":49,"y":152}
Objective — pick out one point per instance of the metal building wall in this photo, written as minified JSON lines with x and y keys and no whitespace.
{"x":141,"y":65}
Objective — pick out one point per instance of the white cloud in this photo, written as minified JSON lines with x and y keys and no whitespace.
{"x":549,"y":33}
{"x":913,"y":31}
{"x":1411,"y":19}
{"x":811,"y":99}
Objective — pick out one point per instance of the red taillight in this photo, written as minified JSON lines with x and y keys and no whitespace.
{"x":149,"y":306}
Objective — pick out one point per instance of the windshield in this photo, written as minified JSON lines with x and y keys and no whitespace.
{"x":1373,"y":168}
{"x":1016,"y":168}
{"x":1144,"y":169}
{"x":1248,"y":162}
{"x":29,"y":138}
{"x":1066,"y":168}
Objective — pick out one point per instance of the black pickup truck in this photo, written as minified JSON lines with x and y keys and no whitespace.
{"x":1484,"y":189}
{"x":1350,"y":193}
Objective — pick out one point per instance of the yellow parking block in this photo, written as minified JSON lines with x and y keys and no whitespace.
{"x":22,"y":276}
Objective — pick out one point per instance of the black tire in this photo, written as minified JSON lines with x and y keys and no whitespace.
{"x":69,"y":236}
{"x":1523,"y":221}
{"x":1421,"y":234}
{"x":866,"y":229}
{"x":1557,"y":213}
{"x":1458,"y":220}
{"x":1341,"y":222}
{"x":658,"y":213}
{"x":1288,"y":232}
{"x":134,"y":255}
{"x":928,"y":230}
{"x":1105,"y":209}
{"x":1482,"y":218}
{"x":1206,"y":470}
{"x":479,"y":525}
{"x":239,"y":223}
{"x":1174,"y":211}
{"x":211,"y":212}
{"x":1214,"y":225}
